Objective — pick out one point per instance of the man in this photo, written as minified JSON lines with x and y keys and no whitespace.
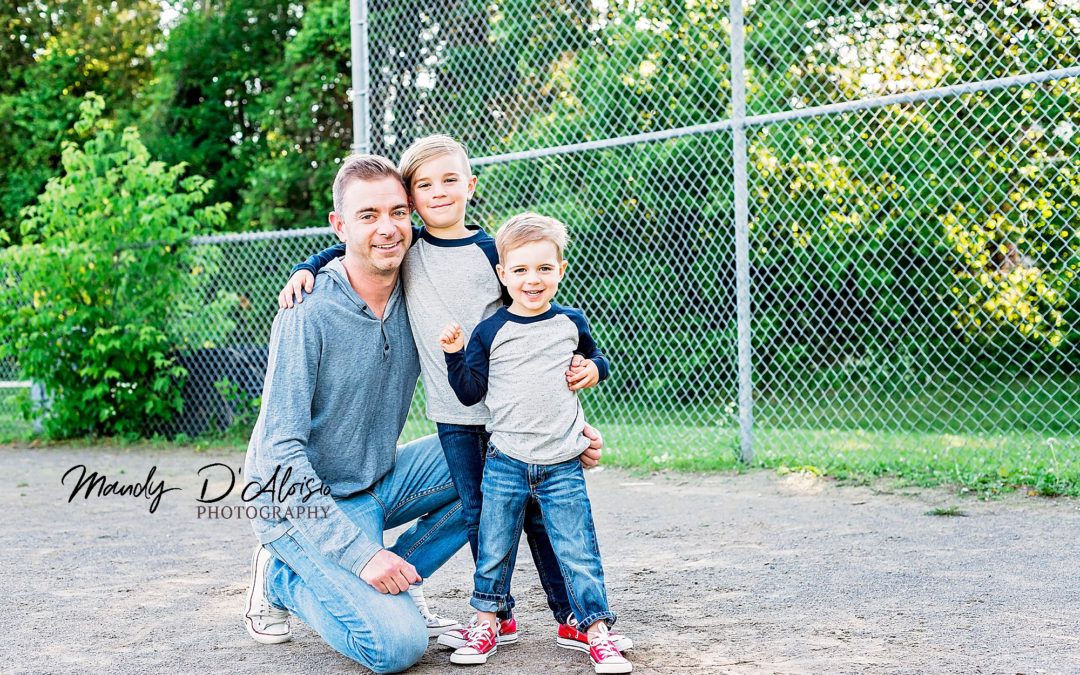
{"x":340,"y":378}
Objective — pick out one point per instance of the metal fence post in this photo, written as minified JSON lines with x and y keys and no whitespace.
{"x":742,"y":232}
{"x":361,"y":100}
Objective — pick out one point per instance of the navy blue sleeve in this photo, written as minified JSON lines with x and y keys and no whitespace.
{"x":320,"y":259}
{"x":467,"y":370}
{"x":586,"y":345}
{"x":487,"y":245}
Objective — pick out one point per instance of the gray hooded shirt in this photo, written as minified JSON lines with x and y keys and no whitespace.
{"x":338,"y":386}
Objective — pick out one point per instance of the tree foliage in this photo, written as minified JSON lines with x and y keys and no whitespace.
{"x":958,"y":213}
{"x":52,"y":54}
{"x":223,"y":59}
{"x":92,"y":296}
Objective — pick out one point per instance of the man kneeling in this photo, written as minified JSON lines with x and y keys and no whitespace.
{"x":339,"y":382}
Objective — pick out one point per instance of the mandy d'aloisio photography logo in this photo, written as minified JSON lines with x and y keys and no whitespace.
{"x":279,"y":487}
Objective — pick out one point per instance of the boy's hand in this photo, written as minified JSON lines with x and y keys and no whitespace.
{"x":591,"y":456}
{"x":452,"y":339}
{"x":582,"y":373}
{"x":304,"y":280}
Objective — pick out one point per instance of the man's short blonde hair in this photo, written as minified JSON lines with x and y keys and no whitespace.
{"x":362,"y":167}
{"x":426,"y":149}
{"x":526,"y":228}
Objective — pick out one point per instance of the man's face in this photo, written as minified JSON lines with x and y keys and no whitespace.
{"x":374,"y":224}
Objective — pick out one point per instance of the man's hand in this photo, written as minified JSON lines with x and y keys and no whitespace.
{"x":302,"y":280}
{"x":452,"y":339}
{"x":582,"y":373}
{"x":388,"y":572}
{"x":591,"y":456}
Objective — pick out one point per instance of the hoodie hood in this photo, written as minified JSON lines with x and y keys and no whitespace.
{"x":339,"y":280}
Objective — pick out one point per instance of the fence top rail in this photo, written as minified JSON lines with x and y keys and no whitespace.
{"x":788,"y":115}
{"x":262,"y":236}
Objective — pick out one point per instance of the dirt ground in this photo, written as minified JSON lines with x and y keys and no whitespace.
{"x":753,"y":573}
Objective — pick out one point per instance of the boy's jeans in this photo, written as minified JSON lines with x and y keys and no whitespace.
{"x":383,"y":632}
{"x":465,"y":447}
{"x":559,"y":489}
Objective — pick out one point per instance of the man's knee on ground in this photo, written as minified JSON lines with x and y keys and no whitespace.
{"x":398,"y":640}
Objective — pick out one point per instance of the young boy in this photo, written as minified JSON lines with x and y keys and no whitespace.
{"x":515,"y":363}
{"x":449,"y":276}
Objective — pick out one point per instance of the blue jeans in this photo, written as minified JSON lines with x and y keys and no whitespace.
{"x":559,"y":490}
{"x":382,"y":632}
{"x":465,"y":447}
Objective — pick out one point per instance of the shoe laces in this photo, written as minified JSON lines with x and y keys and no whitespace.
{"x":417,"y":595}
{"x":603,"y":645}
{"x":477,"y":632}
{"x":272,"y":616}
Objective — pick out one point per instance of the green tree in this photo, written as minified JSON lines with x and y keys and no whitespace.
{"x":52,"y":54}
{"x":91,"y":296}
{"x":221,"y":61}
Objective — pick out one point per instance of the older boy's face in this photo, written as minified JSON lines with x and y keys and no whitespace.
{"x":531,"y":273}
{"x":374,"y":225}
{"x":440,"y":191}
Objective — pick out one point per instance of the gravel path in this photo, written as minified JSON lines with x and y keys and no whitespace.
{"x":750,"y":573}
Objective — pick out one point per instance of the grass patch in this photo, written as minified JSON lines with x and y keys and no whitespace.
{"x":984,"y":464}
{"x":12,"y":425}
{"x":946,"y":512}
{"x":820,"y":439}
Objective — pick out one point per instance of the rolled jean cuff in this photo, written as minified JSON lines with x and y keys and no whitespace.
{"x":608,"y":616}
{"x":486,"y":602}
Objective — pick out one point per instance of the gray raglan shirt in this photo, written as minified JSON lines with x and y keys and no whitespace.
{"x":519,"y":364}
{"x":449,"y":280}
{"x":446,"y":280}
{"x":338,"y":386}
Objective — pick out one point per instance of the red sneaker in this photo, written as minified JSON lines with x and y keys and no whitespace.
{"x":482,"y":643}
{"x":605,"y":655}
{"x":508,"y":633}
{"x":571,"y":638}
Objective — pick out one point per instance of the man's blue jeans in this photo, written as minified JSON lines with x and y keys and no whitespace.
{"x":382,"y":632}
{"x":559,"y":490}
{"x":465,"y":447}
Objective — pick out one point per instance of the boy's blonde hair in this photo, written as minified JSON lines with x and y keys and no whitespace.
{"x":426,"y":149}
{"x":526,"y":228}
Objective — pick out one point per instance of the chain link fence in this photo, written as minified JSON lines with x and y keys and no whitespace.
{"x":909,"y":174}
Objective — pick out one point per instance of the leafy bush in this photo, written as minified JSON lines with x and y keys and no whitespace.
{"x":91,"y":297}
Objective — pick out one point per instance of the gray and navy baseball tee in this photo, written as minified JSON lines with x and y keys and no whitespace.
{"x":517,"y":365}
{"x":445,"y":280}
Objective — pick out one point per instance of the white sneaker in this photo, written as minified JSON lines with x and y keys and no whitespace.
{"x":265,"y":623}
{"x":436,"y":625}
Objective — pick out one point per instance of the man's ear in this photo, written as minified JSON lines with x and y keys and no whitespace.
{"x":337,"y":225}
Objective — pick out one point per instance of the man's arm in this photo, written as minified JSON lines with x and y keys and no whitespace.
{"x":285,"y":425}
